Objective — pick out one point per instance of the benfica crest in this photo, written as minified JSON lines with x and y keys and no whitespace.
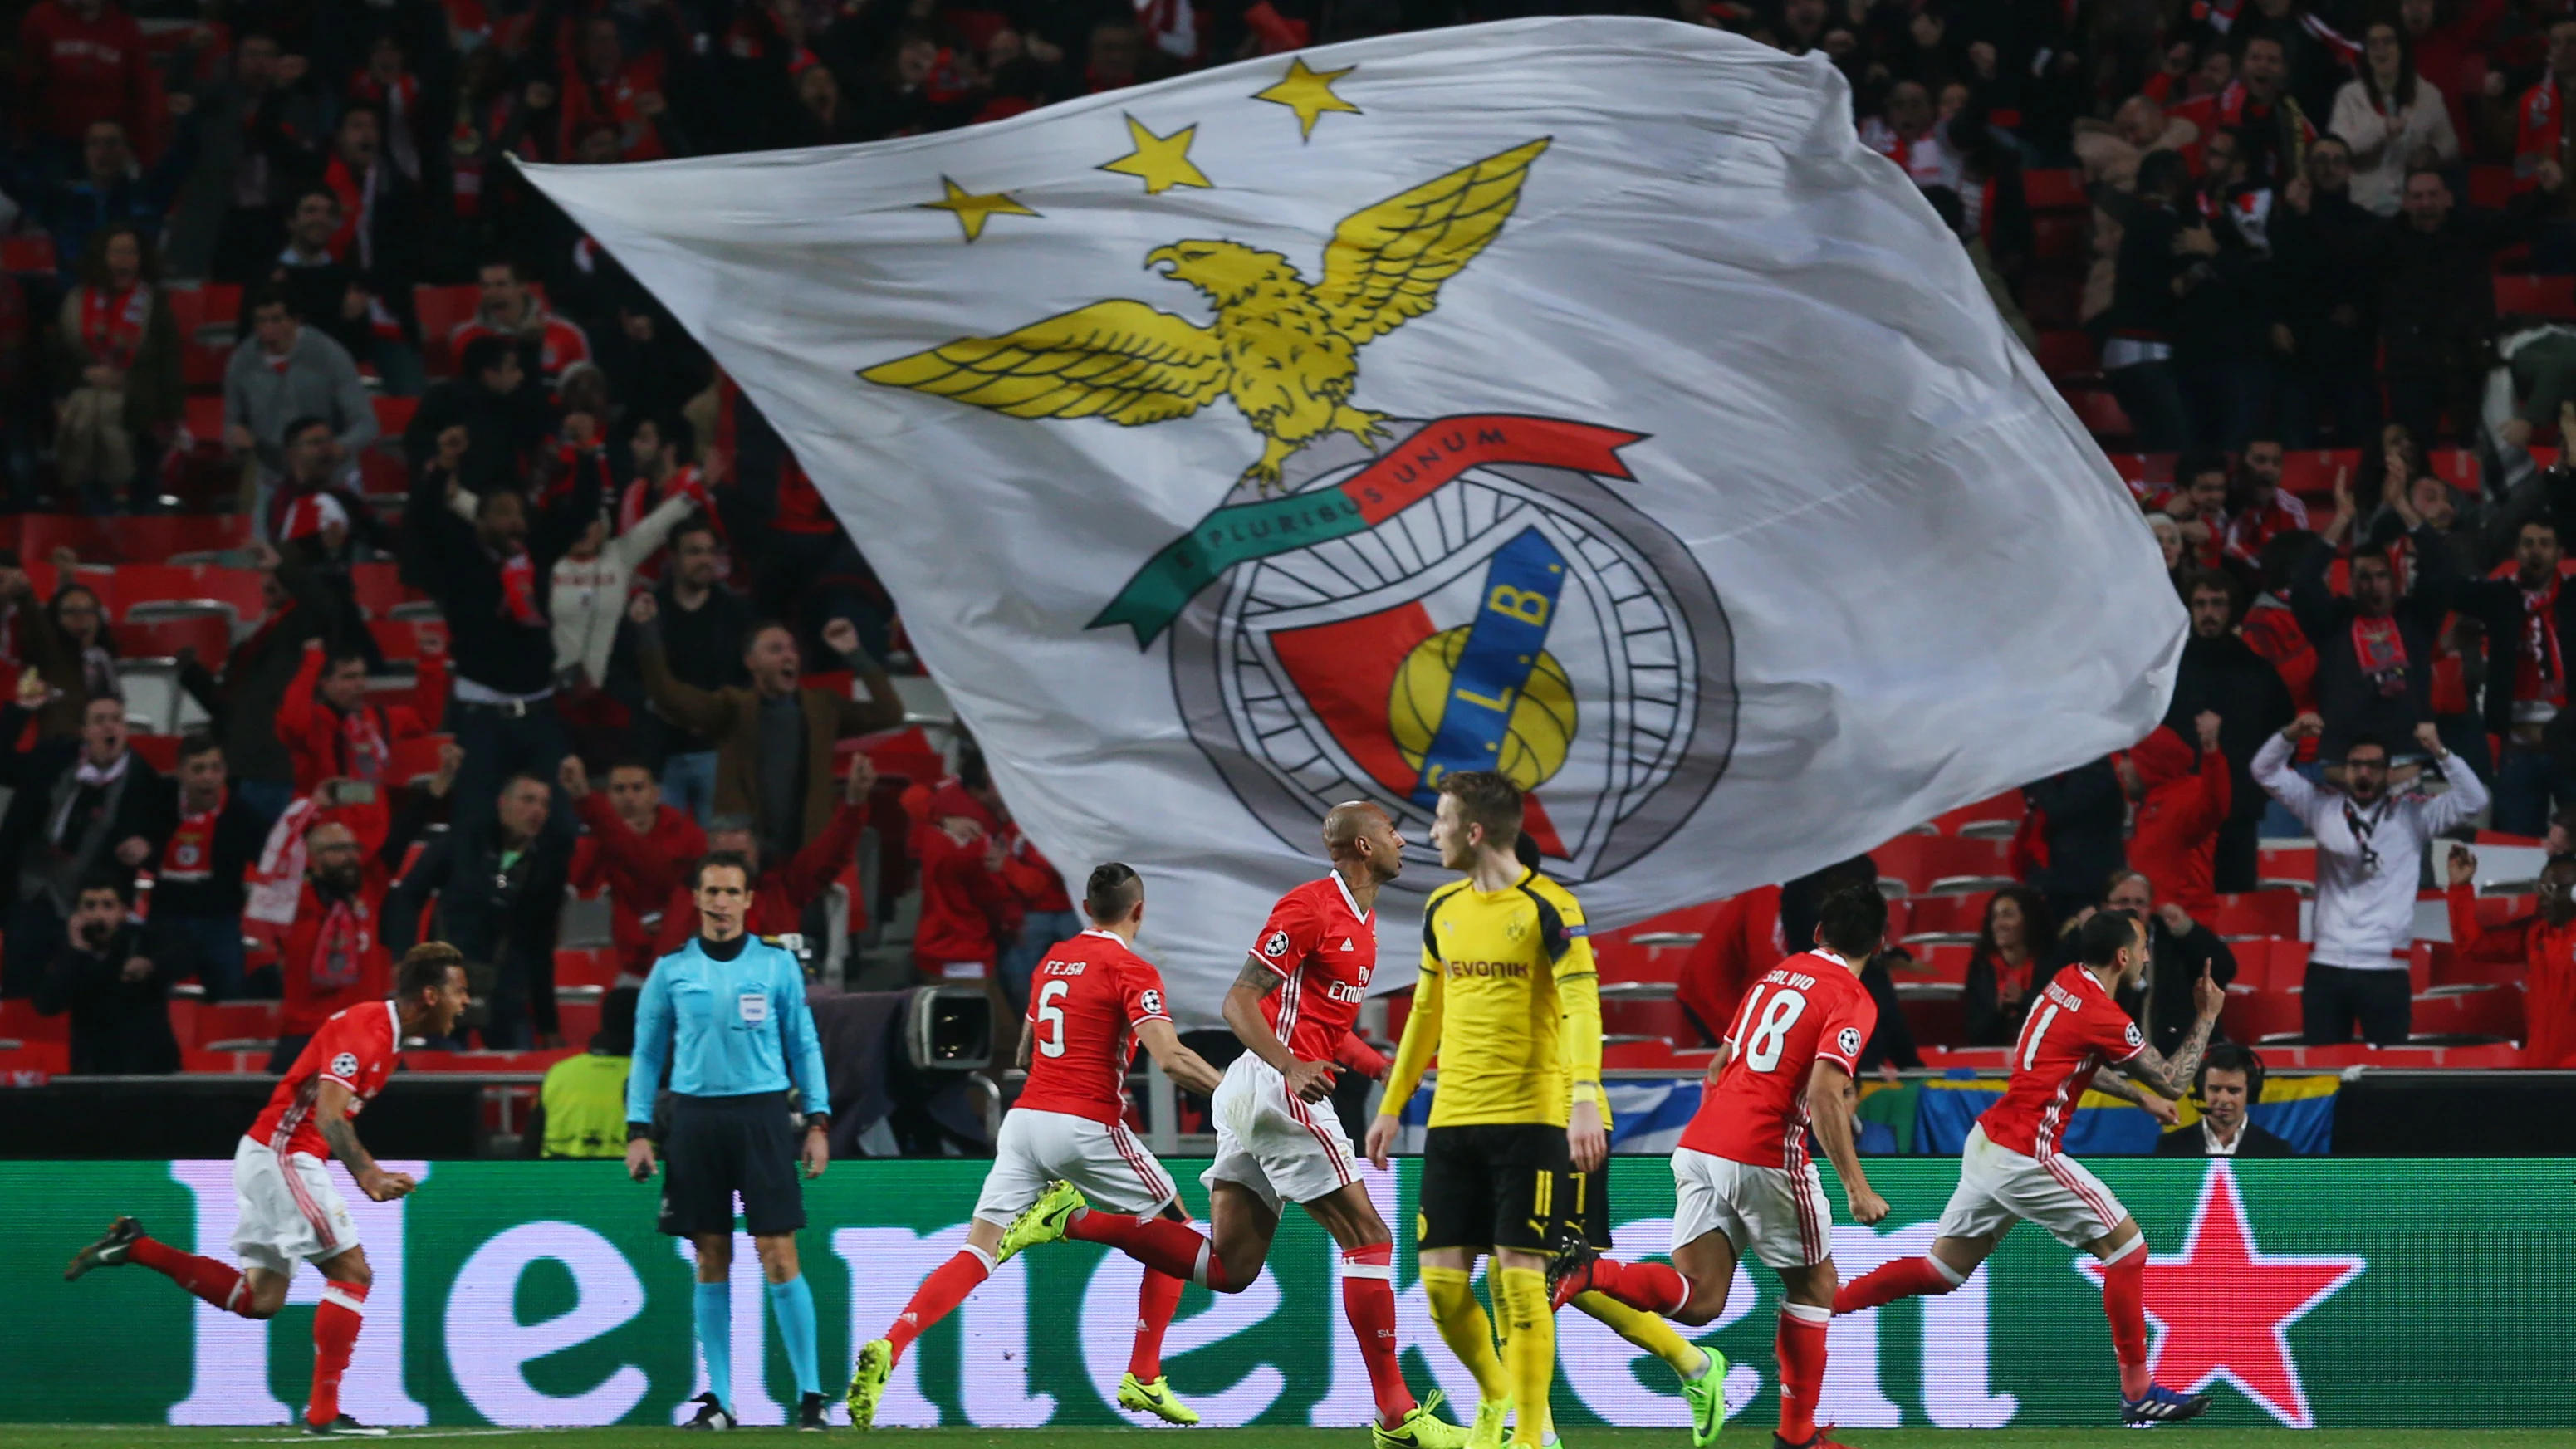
{"x":1476,"y":597}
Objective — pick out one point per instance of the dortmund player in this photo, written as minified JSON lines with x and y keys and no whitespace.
{"x":1509,"y":999}
{"x":1702,"y":1370}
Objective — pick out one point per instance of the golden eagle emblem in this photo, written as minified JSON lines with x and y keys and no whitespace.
{"x":1286,"y":352}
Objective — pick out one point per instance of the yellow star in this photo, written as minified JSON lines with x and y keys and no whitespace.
{"x":971,"y":210}
{"x":1309,"y":93}
{"x":1161,"y":162}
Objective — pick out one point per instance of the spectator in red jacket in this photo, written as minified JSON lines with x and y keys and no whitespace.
{"x":2182,"y":799}
{"x":2545,"y":944}
{"x":779,"y":892}
{"x":967,"y":908}
{"x":1046,"y":912}
{"x":341,"y":743}
{"x":81,"y":62}
{"x":1739,"y":945}
{"x":638,"y":849}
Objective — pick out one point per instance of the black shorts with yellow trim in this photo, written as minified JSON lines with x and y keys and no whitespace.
{"x":1494,"y":1185}
{"x":1586,"y":1208}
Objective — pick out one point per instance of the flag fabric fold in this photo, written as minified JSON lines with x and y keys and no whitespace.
{"x":1576,"y":398}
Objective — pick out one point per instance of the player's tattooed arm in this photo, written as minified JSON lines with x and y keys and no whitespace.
{"x":1312,"y":1081}
{"x":331,"y":1113}
{"x":2173,"y":1077}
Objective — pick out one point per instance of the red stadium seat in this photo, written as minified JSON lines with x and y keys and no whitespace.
{"x":393,"y":414}
{"x":162,"y":585}
{"x":2534,"y":295}
{"x":2455,"y":466}
{"x":151,"y":538}
{"x":1654,"y":1016}
{"x":1931,"y":917}
{"x":33,"y":252}
{"x":2054,"y":189}
{"x":2068,"y":354}
{"x":205,"y":316}
{"x":1936,"y":966}
{"x":2312,"y":470}
{"x":440,"y":310}
{"x":2099,"y":412}
{"x":2257,"y":913}
{"x":415,"y":758}
{"x":161,"y":752}
{"x":208,"y":634}
{"x":2295,"y":868}
{"x":2063,"y":238}
{"x":379,"y":587}
{"x":19,"y":1022}
{"x":2490,"y":187}
{"x":1943,"y":865}
{"x":1997,"y":817}
{"x":586,"y":966}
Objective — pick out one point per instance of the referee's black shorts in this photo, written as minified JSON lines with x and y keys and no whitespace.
{"x":1494,"y":1185}
{"x":720,"y":1146}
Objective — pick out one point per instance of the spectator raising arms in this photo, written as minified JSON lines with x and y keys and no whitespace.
{"x":2368,"y":842}
{"x":2183,"y":797}
{"x":635,"y":847}
{"x":775,"y":739}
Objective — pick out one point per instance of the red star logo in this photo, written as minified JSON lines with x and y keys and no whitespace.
{"x":2222,"y":1308}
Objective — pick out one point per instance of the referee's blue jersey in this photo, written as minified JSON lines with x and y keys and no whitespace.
{"x":727,"y":1029}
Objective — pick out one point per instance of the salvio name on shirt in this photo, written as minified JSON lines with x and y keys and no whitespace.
{"x":1798,"y":979}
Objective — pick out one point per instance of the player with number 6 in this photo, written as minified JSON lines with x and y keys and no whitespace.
{"x":1743,"y":1181}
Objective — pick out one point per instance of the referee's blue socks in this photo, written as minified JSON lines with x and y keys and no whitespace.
{"x":715,"y":1339}
{"x":793,"y":1302}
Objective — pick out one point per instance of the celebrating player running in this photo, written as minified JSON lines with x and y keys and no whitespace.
{"x":289,"y":1208}
{"x":1742,"y":1177}
{"x":1092,"y":999}
{"x":2012,"y":1169}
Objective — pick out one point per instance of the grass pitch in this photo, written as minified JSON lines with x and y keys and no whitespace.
{"x":121,"y":1436}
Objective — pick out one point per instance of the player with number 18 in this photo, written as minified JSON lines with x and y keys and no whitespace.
{"x":1743,"y":1181}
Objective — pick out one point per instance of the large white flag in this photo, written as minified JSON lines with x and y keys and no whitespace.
{"x":1577,"y":398}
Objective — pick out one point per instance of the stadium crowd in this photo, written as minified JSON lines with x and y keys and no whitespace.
{"x":545,"y":610}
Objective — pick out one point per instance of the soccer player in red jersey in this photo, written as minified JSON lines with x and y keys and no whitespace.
{"x":2012,"y":1168}
{"x":1092,"y":1000}
{"x":289,"y":1207}
{"x":1278,"y":1138}
{"x":1742,"y":1178}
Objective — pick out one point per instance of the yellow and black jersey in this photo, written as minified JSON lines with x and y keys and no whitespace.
{"x":1509,"y":999}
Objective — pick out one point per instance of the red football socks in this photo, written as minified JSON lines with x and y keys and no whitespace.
{"x":2124,"y":1302}
{"x":1646,"y":1287}
{"x":218,"y":1283}
{"x":1800,"y":1347}
{"x":1368,"y":1300}
{"x":1156,"y":1301}
{"x":1159,"y":1243}
{"x":335,"y":1337}
{"x":938,"y":1296}
{"x":1903,"y":1278}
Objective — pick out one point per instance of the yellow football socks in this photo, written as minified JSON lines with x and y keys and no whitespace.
{"x":1645,"y":1330}
{"x":1464,"y":1327}
{"x":1529,"y":1346}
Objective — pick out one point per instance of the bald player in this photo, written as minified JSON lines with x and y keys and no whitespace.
{"x":1277,"y":1136}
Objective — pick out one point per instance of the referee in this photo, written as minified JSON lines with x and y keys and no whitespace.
{"x":727,"y":1015}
